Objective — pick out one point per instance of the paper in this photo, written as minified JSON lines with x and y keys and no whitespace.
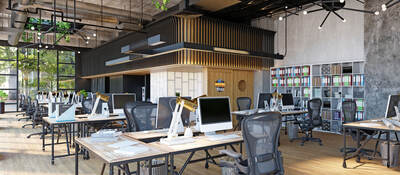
{"x":132,"y":150}
{"x":122,"y":144}
{"x":102,"y":139}
{"x":370,"y":124}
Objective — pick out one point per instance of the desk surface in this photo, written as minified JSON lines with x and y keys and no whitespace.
{"x":153,"y":134}
{"x":283,"y":113}
{"x":84,"y":119}
{"x":108,"y":155}
{"x":364,"y":125}
{"x":202,"y":142}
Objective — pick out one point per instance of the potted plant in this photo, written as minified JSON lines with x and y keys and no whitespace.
{"x":3,"y":98}
{"x":84,"y":93}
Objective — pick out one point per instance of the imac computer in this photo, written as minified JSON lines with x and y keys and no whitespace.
{"x":262,"y":98}
{"x":393,"y":101}
{"x":119,"y":101}
{"x":165,"y":107}
{"x":214,"y":114}
{"x":287,"y":102}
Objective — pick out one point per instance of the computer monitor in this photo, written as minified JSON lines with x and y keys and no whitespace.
{"x":119,"y":101}
{"x":214,"y":114}
{"x":287,"y":101}
{"x":393,"y":100}
{"x":263,"y":97}
{"x":165,"y":107}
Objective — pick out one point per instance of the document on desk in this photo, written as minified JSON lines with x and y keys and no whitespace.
{"x":370,"y":124}
{"x":132,"y":150}
{"x":103,"y":139}
{"x":122,"y":144}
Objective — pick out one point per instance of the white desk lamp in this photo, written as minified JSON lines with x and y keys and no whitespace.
{"x":104,"y":110}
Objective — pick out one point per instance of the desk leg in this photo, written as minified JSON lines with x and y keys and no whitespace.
{"x":388,"y":148}
{"x":358,"y":146}
{"x":150,"y":166}
{"x":44,"y":136}
{"x":187,"y":162}
{"x":111,"y":169}
{"x":76,"y":159}
{"x":52,"y":143}
{"x":66,"y":138}
{"x":166,"y":165}
{"x":172,"y":164}
{"x":344,"y":148}
{"x":138,"y":168}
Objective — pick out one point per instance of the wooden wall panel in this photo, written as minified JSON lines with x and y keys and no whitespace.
{"x":231,"y":78}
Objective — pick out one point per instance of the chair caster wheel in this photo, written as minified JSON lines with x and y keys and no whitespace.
{"x":344,"y":165}
{"x":358,"y":159}
{"x":206,"y":166}
{"x":320,"y":144}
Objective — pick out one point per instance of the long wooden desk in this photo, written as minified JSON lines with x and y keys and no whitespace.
{"x":375,"y":125}
{"x":108,"y":155}
{"x":202,"y":143}
{"x":80,"y":121}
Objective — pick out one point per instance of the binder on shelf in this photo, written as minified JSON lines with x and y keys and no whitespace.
{"x":275,"y":82}
{"x":273,"y":72}
{"x":289,"y":81}
{"x":360,"y":104}
{"x":282,"y":82}
{"x":346,"y":80}
{"x":297,"y":81}
{"x":306,"y":70}
{"x":297,"y":71}
{"x":336,"y":81}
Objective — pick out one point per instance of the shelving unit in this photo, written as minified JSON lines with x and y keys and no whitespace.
{"x":332,"y":83}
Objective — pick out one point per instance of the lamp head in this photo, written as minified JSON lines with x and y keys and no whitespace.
{"x":102,"y":97}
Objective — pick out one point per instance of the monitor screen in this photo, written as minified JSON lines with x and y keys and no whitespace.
{"x":287,"y":100}
{"x":165,"y":107}
{"x":263,"y":97}
{"x":119,"y":100}
{"x":214,"y":110}
{"x":394,"y":100}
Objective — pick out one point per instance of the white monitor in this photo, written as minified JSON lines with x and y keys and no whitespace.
{"x":214,"y":114}
{"x":119,"y":101}
{"x":393,"y":100}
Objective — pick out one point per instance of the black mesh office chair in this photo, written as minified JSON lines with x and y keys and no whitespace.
{"x":37,"y":116}
{"x":349,"y":109}
{"x":144,"y":116}
{"x":243,"y":103}
{"x":311,"y":121}
{"x":261,"y":134}
{"x":29,"y":111}
{"x":24,"y":108}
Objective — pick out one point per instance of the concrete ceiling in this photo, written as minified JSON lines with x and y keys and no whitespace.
{"x":128,"y":15}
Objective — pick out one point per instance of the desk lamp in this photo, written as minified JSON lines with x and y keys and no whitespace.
{"x":99,"y":97}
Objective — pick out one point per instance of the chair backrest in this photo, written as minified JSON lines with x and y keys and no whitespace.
{"x":144,"y":116}
{"x":314,"y":111}
{"x":261,"y":134}
{"x":87,"y":105}
{"x":349,"y":109}
{"x":243,"y":103}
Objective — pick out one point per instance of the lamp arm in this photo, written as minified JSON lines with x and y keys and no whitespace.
{"x":95,"y":106}
{"x":173,"y":129}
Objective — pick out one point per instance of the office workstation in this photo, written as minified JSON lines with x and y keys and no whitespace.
{"x":199,"y":87}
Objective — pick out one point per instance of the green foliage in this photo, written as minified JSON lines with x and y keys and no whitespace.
{"x":161,"y":5}
{"x":62,"y":29}
{"x":3,"y":96}
{"x":84,"y":93}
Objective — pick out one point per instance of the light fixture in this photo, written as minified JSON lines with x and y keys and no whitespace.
{"x":377,"y":13}
{"x":39,"y":34}
{"x":280,"y":18}
{"x":384,"y":7}
{"x":87,"y":42}
{"x":344,"y":20}
{"x":341,"y":1}
{"x":40,"y":45}
{"x":62,"y":51}
{"x":79,"y":52}
{"x":46,"y":46}
{"x":94,"y":35}
{"x":155,"y":40}
{"x":32,"y":28}
{"x":389,"y":4}
{"x":219,"y":49}
{"x":305,"y":12}
{"x":319,"y":27}
{"x":88,"y":37}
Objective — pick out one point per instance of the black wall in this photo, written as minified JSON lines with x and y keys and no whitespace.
{"x":130,"y":84}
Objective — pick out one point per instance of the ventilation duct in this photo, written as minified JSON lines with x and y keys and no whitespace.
{"x":17,"y":21}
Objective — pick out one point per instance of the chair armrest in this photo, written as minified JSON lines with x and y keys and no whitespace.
{"x":223,"y":163}
{"x":231,"y":153}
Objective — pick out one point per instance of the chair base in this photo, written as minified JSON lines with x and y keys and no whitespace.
{"x":306,"y":139}
{"x":26,"y":118}
{"x":39,"y":133}
{"x":368,"y":152}
{"x":31,"y":124}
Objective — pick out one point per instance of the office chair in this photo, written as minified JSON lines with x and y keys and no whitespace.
{"x":311,"y":121}
{"x":243,"y":103}
{"x":349,"y":109}
{"x":36,"y":117}
{"x":29,"y":111}
{"x":261,"y":134}
{"x":144,"y":116}
{"x":21,"y":105}
{"x":24,"y":108}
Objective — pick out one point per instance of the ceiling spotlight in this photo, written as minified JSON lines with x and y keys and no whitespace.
{"x":305,"y":12}
{"x":46,"y":46}
{"x":39,"y":34}
{"x":286,"y":7}
{"x":319,"y":27}
{"x":87,"y":42}
{"x":32,"y":28}
{"x":377,"y":13}
{"x":62,"y":51}
{"x":280,"y":18}
{"x":94,"y":35}
{"x":384,"y":7}
{"x":38,"y":50}
{"x":79,"y":52}
{"x":344,"y":20}
{"x":341,"y":1}
{"x":88,"y":37}
{"x":40,"y":45}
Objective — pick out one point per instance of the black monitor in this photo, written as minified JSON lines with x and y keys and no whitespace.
{"x":214,"y":114}
{"x":119,"y":101}
{"x":394,"y":100}
{"x":263,"y":97}
{"x":165,"y":107}
{"x":287,"y":100}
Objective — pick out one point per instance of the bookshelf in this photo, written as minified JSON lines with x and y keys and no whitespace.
{"x":332,"y":83}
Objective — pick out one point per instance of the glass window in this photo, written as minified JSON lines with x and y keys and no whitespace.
{"x":48,"y":70}
{"x":66,"y":70}
{"x":28,"y":75}
{"x":66,"y":83}
{"x":66,"y":57}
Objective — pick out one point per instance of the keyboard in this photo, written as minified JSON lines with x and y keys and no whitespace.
{"x":177,"y":141}
{"x":222,"y":137}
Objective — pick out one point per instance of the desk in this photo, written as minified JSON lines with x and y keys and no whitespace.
{"x":108,"y":155}
{"x":201,"y":143}
{"x":381,"y":127}
{"x":80,"y":120}
{"x":148,"y":136}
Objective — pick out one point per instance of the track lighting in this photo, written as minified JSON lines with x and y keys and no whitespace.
{"x":384,"y":7}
